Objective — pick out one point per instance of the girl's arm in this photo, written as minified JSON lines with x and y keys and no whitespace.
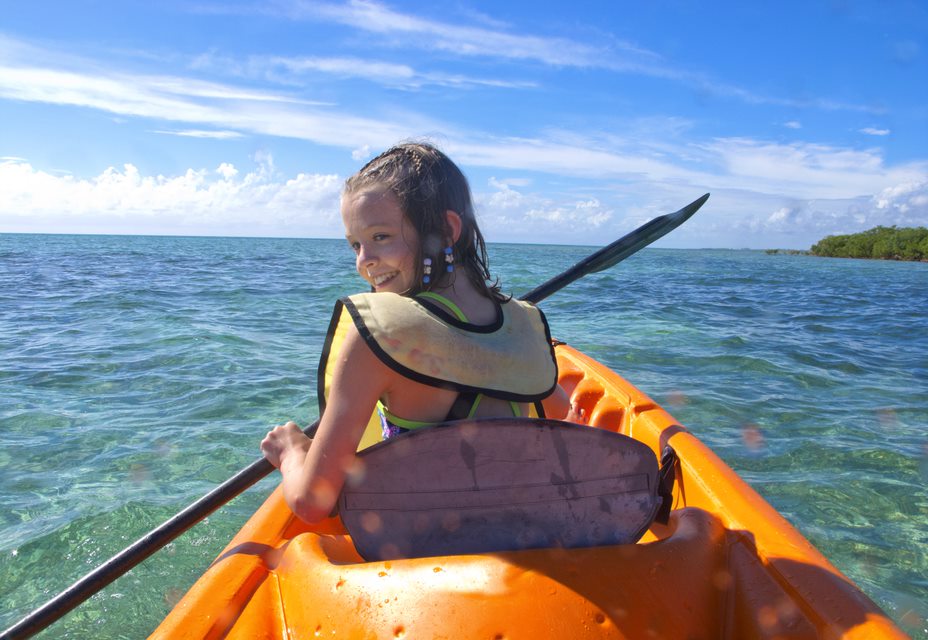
{"x":559,"y":406}
{"x":314,"y":471}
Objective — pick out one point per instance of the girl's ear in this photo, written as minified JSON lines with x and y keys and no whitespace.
{"x":454,"y":224}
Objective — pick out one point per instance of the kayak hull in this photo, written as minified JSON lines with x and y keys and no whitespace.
{"x":727,"y":565}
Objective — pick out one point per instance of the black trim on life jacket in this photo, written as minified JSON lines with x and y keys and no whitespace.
{"x":450,"y":318}
{"x":384,"y":357}
{"x":324,"y":357}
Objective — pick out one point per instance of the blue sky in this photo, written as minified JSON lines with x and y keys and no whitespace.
{"x":575,"y":122}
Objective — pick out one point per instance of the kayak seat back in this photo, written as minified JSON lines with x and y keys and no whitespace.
{"x":500,"y":484}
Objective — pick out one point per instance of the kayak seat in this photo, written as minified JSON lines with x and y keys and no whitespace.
{"x":501,"y":484}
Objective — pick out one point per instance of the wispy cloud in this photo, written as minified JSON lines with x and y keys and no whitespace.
{"x":494,"y":42}
{"x":873,"y":131}
{"x":797,"y":170}
{"x":406,"y":29}
{"x":200,"y":133}
{"x":223,"y":110}
{"x":805,"y":170}
{"x":294,"y":71}
{"x":812,"y":186}
{"x":178,"y":99}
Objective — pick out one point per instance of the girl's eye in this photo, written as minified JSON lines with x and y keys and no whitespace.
{"x":380,"y":236}
{"x":356,"y":246}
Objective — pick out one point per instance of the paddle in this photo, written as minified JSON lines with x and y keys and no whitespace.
{"x":175,"y":526}
{"x":617,"y":251}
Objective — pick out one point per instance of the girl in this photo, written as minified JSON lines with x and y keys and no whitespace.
{"x":435,"y":340}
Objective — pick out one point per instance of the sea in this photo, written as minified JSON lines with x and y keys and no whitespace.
{"x":137,"y":373}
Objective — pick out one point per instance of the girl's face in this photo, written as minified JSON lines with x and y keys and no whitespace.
{"x":382,"y":238}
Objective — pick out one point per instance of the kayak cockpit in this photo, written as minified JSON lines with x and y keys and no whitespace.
{"x":679,"y":581}
{"x":726,"y":565}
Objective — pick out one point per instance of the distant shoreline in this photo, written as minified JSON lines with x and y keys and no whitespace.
{"x":879,"y":243}
{"x":788,"y":252}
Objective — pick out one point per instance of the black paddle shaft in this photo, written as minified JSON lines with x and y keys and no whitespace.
{"x":171,"y":529}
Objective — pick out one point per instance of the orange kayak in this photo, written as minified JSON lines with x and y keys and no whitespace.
{"x":726,"y":565}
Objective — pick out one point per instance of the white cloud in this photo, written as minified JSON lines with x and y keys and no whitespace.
{"x":268,"y":114}
{"x":290,"y":70}
{"x":220,"y":107}
{"x":592,"y":213}
{"x":227,"y":171}
{"x":345,"y":67}
{"x":904,"y":204}
{"x":377,"y":18}
{"x":793,"y":124}
{"x":504,"y":198}
{"x":198,"y":201}
{"x":587,"y":157}
{"x":361,"y":153}
{"x":833,"y":186}
{"x":507,"y":213}
{"x":201,"y":133}
{"x":589,"y":213}
{"x":401,"y":30}
{"x":746,"y":219}
{"x":781,"y":215}
{"x":804,"y":170}
{"x":872,"y":131}
{"x":259,"y":201}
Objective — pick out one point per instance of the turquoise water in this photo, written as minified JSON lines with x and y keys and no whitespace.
{"x":136,"y":373}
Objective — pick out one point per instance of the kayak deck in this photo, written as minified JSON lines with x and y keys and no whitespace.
{"x":727,"y":565}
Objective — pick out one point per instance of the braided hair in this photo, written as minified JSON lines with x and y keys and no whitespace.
{"x":427,"y":184}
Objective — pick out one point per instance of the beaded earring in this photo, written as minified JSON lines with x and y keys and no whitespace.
{"x":426,"y":270}
{"x":449,"y":258}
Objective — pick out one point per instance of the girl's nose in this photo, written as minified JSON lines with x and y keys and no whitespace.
{"x":366,"y":257}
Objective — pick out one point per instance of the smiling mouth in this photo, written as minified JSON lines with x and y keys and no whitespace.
{"x":378,"y":281}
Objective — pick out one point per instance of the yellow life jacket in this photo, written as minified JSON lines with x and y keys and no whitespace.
{"x":510,"y":359}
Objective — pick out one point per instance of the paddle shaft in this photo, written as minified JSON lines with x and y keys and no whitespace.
{"x":150,"y":543}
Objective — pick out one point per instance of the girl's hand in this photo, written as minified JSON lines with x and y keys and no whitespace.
{"x":283,"y":440}
{"x":576,"y":414}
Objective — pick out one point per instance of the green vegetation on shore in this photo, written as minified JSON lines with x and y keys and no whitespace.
{"x":882,"y":243}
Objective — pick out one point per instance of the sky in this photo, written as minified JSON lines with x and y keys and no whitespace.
{"x":575,"y":122}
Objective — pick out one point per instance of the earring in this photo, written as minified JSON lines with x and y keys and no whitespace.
{"x":449,"y":258}
{"x":426,"y":270}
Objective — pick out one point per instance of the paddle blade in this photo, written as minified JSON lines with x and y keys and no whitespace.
{"x":617,"y":251}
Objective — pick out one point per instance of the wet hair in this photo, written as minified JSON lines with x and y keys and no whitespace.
{"x":427,"y":184}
